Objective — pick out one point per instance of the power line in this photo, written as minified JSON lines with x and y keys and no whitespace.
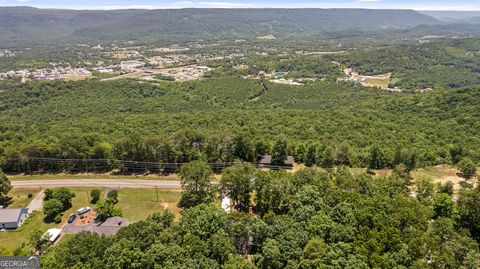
{"x":34,"y":164}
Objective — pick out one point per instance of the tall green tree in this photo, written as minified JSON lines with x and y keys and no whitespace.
{"x":5,"y":187}
{"x":65,"y":196}
{"x":38,"y":241}
{"x":52,"y":209}
{"x":94,"y":196}
{"x":279,"y":152}
{"x":311,"y":155}
{"x":105,"y":209}
{"x":469,"y":210}
{"x":236,"y":182}
{"x":377,"y":159}
{"x":196,"y":178}
{"x":467,"y":167}
{"x":243,"y":148}
{"x":444,"y":206}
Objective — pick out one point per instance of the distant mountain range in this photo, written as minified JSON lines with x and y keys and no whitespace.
{"x":248,"y":22}
{"x":25,"y":25}
{"x":33,"y":25}
{"x":455,"y":16}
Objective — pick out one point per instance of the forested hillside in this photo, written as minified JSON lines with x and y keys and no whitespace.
{"x":31,"y":26}
{"x":311,"y":219}
{"x":248,"y":22}
{"x":26,"y":25}
{"x":324,"y":123}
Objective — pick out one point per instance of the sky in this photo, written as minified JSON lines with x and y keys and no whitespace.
{"x":461,"y":5}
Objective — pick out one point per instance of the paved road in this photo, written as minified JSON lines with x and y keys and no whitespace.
{"x":107,"y":183}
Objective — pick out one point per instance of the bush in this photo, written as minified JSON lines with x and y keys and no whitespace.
{"x":467,"y":168}
{"x":113,"y":196}
{"x":94,"y":196}
{"x":30,"y":195}
{"x":48,"y":194}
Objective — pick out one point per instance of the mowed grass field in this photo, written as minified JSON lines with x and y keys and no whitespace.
{"x":20,"y":197}
{"x":136,"y":204}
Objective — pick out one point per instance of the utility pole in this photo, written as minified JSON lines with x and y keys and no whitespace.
{"x":29,"y":169}
{"x":156,"y":191}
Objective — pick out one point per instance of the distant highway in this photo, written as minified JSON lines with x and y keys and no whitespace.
{"x":105,"y":183}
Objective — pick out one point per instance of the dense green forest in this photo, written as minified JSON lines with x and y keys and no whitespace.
{"x":216,"y":120}
{"x":310,"y":219}
{"x":440,"y":65}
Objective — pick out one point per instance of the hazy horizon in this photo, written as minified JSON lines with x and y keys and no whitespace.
{"x":426,"y":5}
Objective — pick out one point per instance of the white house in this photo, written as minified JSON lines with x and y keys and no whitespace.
{"x":12,"y":218}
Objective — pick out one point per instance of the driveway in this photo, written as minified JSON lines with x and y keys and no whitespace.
{"x":37,"y":203}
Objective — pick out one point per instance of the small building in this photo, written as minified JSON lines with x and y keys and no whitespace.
{"x":265,"y":161}
{"x":12,"y":218}
{"x":52,"y":234}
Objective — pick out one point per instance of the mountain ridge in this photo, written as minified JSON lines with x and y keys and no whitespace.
{"x":20,"y":24}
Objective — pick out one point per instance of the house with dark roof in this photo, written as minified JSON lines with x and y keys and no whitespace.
{"x":109,"y":227}
{"x":265,"y":161}
{"x":12,"y":218}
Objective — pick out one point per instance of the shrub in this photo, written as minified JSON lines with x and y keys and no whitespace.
{"x":94,"y":196}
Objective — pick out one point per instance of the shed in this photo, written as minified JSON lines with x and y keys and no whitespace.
{"x":52,"y":234}
{"x":12,"y":218}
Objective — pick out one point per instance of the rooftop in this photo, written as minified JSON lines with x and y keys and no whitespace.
{"x":267,"y":160}
{"x":52,"y":234}
{"x":11,"y":215}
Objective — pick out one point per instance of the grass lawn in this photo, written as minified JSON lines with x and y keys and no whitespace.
{"x":382,"y":83}
{"x":18,"y":239}
{"x":433,"y":172}
{"x":15,"y":242}
{"x":136,"y":204}
{"x":20,"y":197}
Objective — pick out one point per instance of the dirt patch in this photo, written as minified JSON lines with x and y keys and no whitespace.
{"x":442,"y":174}
{"x":165,"y":205}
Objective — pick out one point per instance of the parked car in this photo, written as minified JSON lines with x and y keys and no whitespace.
{"x":83,"y":210}
{"x":72,"y":218}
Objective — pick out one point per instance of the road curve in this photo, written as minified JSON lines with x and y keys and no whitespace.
{"x":106,"y":183}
